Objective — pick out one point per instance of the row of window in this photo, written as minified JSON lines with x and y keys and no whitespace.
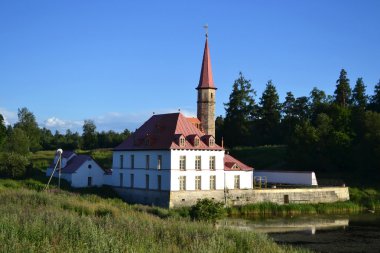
{"x":182,"y":182}
{"x":198,"y":182}
{"x":182,"y":162}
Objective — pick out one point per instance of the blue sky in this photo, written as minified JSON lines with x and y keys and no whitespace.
{"x":117,"y":62}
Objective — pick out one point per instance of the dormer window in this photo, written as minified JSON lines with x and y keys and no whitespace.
{"x":181,"y":141}
{"x":236,"y":167}
{"x":196,"y":141}
{"x":211,"y":141}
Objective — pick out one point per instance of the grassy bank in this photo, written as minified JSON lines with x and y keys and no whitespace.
{"x":61,"y":221}
{"x":270,"y":209}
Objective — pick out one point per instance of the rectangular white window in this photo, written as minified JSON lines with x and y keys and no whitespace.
{"x":89,"y":181}
{"x":121,"y":161}
{"x":147,"y":162}
{"x":212,"y":182}
{"x":159,"y":162}
{"x":237,"y":182}
{"x":182,"y":183}
{"x":132,"y":162}
{"x":198,"y":163}
{"x":198,"y":182}
{"x":212,"y":162}
{"x":182,"y":162}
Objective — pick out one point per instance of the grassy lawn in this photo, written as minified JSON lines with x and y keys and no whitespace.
{"x":62,"y":221}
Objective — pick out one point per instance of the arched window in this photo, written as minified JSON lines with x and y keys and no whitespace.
{"x":196,"y":141}
{"x":211,"y":141}
{"x":181,"y":141}
{"x":89,"y":166}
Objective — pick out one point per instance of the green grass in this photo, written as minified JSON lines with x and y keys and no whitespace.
{"x":60,"y":221}
{"x":268,"y":209}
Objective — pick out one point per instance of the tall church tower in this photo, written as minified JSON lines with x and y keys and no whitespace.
{"x":206,"y":94}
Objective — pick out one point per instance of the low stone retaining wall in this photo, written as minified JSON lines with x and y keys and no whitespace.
{"x":235,"y":197}
{"x":252,"y":196}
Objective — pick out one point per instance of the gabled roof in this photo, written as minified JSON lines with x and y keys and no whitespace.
{"x":164,"y":131}
{"x":67,"y":154}
{"x":232,"y":164}
{"x":74,"y":163}
{"x":206,"y":81}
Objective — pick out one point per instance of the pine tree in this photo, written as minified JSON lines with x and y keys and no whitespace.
{"x":343,"y":90}
{"x":359,"y":98}
{"x":269,"y":113}
{"x":288,"y":105}
{"x":375,"y":98}
{"x":239,"y":111}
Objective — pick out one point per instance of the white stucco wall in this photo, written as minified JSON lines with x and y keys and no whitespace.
{"x":191,"y":173}
{"x":170,"y":172}
{"x":80,"y":177}
{"x":139,"y":171}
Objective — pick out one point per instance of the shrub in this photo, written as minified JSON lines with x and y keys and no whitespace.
{"x":207,"y":210}
{"x":13,"y":165}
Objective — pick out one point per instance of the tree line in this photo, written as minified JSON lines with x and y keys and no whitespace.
{"x":323,"y":132}
{"x":17,"y":141}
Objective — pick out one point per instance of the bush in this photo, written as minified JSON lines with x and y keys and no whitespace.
{"x":13,"y":165}
{"x":207,"y":210}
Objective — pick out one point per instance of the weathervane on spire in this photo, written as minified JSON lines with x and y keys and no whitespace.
{"x":206,"y":29}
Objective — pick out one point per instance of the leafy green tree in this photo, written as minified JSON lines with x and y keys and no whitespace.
{"x":17,"y":142}
{"x":47,"y":139}
{"x":3,"y":130}
{"x":375,"y":98}
{"x":27,"y":122}
{"x":207,"y":210}
{"x":89,"y":136}
{"x":13,"y":165}
{"x":359,"y":98}
{"x":239,"y":111}
{"x":343,"y":90}
{"x":270,"y":115}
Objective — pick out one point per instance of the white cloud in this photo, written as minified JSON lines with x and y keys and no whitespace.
{"x":54,"y":123}
{"x":9,"y":117}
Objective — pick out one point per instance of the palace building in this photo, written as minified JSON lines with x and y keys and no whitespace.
{"x":173,"y":160}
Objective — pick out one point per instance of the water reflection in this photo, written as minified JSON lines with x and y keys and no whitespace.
{"x":354,"y":233}
{"x":291,"y":224}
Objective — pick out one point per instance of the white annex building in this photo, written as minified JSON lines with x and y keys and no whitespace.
{"x":78,"y":170}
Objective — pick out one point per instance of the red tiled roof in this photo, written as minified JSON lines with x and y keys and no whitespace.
{"x":231,"y":164}
{"x":206,"y":81}
{"x":163,"y":132}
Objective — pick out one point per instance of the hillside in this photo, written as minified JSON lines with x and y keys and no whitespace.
{"x":60,"y":221}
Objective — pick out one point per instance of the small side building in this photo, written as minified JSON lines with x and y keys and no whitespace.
{"x":78,"y":170}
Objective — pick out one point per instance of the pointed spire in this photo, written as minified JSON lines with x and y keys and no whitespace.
{"x":206,"y":81}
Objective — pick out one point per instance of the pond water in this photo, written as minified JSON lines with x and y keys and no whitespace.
{"x":320,"y":233}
